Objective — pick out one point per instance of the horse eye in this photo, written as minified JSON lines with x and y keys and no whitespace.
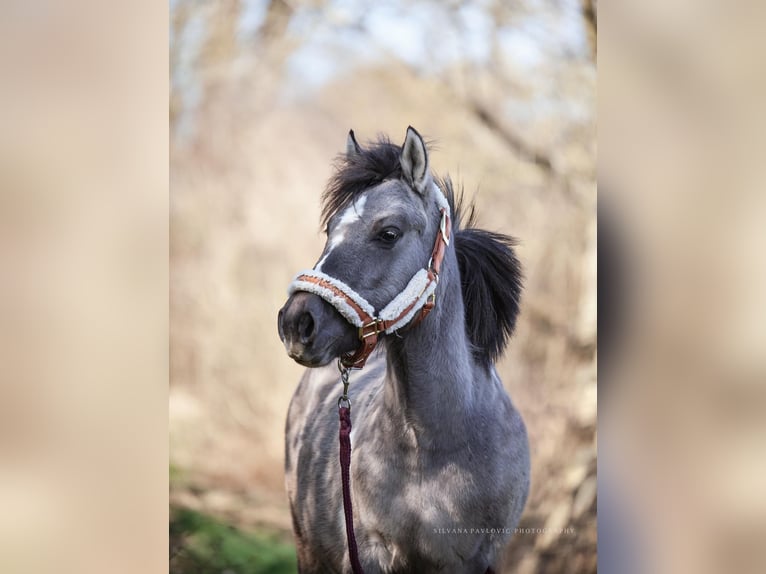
{"x":389,"y":235}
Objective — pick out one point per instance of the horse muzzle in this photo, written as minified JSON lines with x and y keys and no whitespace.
{"x":313,"y":332}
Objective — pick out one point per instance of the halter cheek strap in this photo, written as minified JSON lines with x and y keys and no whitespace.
{"x":408,"y":308}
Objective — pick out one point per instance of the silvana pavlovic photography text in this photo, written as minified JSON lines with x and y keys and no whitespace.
{"x":514,"y":531}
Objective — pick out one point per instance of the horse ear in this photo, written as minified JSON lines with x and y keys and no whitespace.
{"x":352,"y":148}
{"x":414,"y":160}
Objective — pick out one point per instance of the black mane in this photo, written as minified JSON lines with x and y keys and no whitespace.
{"x":356,"y":173}
{"x":490,"y":272}
{"x":490,"y":278}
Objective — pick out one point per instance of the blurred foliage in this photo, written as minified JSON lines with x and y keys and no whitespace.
{"x":200,"y":543}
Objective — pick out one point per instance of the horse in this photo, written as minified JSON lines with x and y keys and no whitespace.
{"x":440,"y":469}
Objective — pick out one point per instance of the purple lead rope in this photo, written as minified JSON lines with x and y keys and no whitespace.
{"x":345,"y":465}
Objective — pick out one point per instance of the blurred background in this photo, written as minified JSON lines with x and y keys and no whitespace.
{"x":83,"y":264}
{"x":262,"y":95}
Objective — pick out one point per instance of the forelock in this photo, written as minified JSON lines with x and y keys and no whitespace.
{"x":356,"y":173}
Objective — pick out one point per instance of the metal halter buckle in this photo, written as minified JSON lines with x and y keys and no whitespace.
{"x":377,"y":323}
{"x":443,"y":227}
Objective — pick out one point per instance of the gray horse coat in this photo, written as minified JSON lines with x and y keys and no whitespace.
{"x":440,"y":460}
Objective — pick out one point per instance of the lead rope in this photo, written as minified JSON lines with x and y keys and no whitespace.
{"x":344,"y":413}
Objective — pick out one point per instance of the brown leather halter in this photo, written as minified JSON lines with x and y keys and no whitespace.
{"x":372,"y":327}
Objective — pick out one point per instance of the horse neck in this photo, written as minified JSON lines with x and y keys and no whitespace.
{"x":430,"y":372}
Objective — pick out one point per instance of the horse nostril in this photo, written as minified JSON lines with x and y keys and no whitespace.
{"x":306,"y":328}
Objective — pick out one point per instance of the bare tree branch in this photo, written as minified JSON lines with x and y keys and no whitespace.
{"x":589,"y":9}
{"x":512,"y":140}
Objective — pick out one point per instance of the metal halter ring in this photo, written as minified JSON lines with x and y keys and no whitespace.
{"x":342,"y":399}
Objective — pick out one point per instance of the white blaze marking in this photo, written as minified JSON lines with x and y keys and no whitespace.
{"x":352,"y":214}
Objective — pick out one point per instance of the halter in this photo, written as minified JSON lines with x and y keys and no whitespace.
{"x":408,"y":308}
